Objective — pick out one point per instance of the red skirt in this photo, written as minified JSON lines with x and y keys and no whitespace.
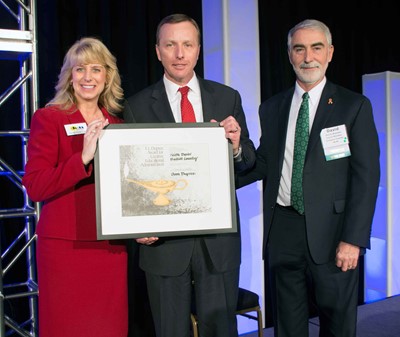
{"x":83,"y":288}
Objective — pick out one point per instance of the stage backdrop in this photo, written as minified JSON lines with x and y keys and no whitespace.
{"x":364,"y":36}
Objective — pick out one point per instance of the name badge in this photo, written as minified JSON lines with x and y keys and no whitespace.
{"x":75,"y":129}
{"x":335,"y":142}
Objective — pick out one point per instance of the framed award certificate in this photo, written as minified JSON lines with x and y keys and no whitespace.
{"x":164,"y":179}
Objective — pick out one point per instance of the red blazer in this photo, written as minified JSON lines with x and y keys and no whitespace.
{"x":56,"y":176}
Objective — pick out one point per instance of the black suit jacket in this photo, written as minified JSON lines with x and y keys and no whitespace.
{"x":170,"y":256}
{"x":339,"y":195}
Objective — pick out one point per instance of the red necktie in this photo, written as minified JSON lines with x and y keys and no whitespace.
{"x":186,"y":107}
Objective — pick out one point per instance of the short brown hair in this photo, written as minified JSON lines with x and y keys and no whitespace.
{"x":177,"y":18}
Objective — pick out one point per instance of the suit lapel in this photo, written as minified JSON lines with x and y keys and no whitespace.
{"x":207,"y":100}
{"x":161,"y":107}
{"x":283,"y":119}
{"x":324,"y":111}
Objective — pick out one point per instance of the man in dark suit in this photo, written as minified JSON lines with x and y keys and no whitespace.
{"x":320,"y":235}
{"x":211,"y":262}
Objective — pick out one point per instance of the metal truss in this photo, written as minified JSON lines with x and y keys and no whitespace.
{"x":18,"y":291}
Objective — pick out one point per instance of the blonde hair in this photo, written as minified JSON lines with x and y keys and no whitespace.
{"x":84,"y":51}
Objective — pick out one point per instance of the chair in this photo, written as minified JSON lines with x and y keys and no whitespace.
{"x":248,"y":302}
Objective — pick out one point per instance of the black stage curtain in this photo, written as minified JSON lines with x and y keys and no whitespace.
{"x":127,"y":27}
{"x":364,"y":37}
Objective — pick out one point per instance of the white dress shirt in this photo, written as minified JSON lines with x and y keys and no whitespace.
{"x":194,"y":96}
{"x":286,"y":178}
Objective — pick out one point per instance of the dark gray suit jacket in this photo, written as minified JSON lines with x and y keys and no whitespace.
{"x":339,"y":195}
{"x":170,"y":256}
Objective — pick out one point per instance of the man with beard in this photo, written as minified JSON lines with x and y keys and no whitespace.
{"x":321,"y":175}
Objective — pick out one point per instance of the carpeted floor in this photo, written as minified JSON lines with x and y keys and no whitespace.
{"x":377,"y":319}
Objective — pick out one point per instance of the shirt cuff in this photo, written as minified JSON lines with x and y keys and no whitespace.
{"x":238,"y":155}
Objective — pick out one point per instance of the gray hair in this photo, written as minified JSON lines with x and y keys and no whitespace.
{"x":310,"y":24}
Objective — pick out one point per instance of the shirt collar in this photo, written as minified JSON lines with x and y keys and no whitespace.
{"x":314,"y":94}
{"x":172,"y":88}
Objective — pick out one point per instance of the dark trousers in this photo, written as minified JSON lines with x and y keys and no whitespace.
{"x":140,"y":319}
{"x":215,"y":296}
{"x":293,"y":274}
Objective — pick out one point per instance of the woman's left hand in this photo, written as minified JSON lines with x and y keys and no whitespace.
{"x":90,"y":139}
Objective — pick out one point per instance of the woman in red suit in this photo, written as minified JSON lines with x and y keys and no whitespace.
{"x":82,"y":281}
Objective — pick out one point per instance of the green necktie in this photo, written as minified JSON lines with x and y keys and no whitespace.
{"x":299,"y":154}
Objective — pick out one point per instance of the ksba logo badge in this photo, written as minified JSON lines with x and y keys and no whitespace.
{"x":75,"y":129}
